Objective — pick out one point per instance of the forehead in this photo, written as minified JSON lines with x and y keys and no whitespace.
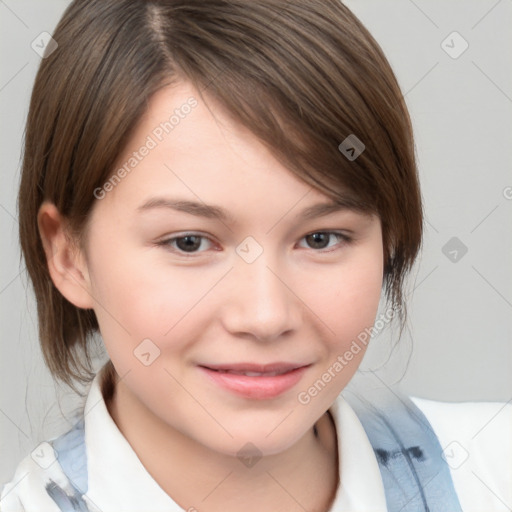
{"x":184,"y":150}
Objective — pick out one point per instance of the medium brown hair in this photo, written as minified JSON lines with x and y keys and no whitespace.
{"x":301,"y":75}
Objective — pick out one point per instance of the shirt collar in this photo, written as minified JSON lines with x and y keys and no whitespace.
{"x":118,"y":480}
{"x":361,"y":488}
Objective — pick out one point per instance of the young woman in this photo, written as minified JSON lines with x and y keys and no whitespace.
{"x":223,"y":190}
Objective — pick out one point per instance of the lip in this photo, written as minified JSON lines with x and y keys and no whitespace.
{"x":273,"y":380}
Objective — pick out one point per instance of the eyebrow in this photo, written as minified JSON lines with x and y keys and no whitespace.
{"x":200,"y":209}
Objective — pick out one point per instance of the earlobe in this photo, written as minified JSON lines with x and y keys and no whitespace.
{"x":66,"y":263}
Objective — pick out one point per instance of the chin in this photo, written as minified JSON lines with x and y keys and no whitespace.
{"x":259,"y":442}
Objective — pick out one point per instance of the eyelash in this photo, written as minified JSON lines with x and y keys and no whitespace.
{"x":166,"y":243}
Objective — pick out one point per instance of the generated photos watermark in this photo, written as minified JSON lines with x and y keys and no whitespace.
{"x":362,"y":340}
{"x":156,"y":136}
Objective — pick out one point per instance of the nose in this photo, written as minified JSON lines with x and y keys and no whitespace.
{"x":261,"y":305}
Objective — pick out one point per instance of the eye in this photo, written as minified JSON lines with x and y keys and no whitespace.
{"x":187,"y":243}
{"x":322,"y":239}
{"x":193,"y":243}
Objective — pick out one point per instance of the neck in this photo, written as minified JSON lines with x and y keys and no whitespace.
{"x":303,"y":477}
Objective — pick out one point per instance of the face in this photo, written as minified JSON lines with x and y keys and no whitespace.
{"x":220,"y":302}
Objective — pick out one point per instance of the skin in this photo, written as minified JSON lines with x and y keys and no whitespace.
{"x":297,"y":302}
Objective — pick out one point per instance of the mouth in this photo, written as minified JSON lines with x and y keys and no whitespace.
{"x":256,"y":381}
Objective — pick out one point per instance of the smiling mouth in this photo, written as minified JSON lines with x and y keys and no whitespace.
{"x":255,"y":381}
{"x":248,"y":373}
{"x":254,"y":369}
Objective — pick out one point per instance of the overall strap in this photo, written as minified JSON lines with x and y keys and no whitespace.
{"x":72,"y":458}
{"x":414,"y":473}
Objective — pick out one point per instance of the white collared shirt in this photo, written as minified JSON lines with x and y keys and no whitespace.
{"x":477,"y":438}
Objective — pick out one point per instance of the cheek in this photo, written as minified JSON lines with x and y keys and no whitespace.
{"x":356,"y":299}
{"x":346,"y":298}
{"x":143,"y":298}
{"x":347,"y":303}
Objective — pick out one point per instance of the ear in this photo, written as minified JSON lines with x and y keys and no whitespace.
{"x":66,"y":262}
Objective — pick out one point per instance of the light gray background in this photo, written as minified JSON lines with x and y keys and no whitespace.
{"x":458,"y":345}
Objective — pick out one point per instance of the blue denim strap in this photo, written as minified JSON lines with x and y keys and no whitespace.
{"x":72,"y":457}
{"x":414,"y":473}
